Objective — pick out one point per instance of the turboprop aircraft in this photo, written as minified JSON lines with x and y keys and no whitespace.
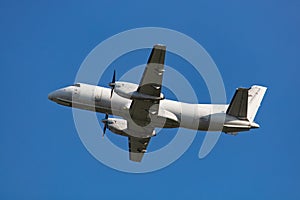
{"x":142,"y":108}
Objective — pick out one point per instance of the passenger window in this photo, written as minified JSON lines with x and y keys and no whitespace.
{"x":77,"y":85}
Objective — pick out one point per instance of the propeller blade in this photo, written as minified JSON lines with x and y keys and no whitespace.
{"x":104,"y":129}
{"x":111,"y":92}
{"x":112,"y":84}
{"x":105,"y":124}
{"x":114,"y":77}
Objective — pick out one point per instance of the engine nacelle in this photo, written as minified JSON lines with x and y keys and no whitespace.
{"x":129,"y":91}
{"x":117,"y":126}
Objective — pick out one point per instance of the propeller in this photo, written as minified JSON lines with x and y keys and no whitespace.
{"x":105,"y":121}
{"x":112,"y":84}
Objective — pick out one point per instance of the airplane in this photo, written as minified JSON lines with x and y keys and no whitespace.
{"x":142,"y":107}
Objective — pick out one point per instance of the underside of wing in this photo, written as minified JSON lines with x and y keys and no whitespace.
{"x":141,"y":109}
{"x":152,"y":78}
{"x":150,"y":84}
{"x":137,"y":148}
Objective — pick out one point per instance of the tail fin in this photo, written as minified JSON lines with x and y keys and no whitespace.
{"x":255,"y":96}
{"x":238,"y":106}
{"x":245,"y":102}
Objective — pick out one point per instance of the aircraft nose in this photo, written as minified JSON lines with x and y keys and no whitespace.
{"x":55,"y":94}
{"x":51,"y":95}
{"x":60,"y":94}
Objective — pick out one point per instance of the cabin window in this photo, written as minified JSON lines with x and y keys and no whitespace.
{"x":77,"y":85}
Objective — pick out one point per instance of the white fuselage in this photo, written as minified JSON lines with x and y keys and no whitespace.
{"x":210,"y":117}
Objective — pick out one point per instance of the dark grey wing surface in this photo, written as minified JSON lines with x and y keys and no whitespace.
{"x":151,"y":81}
{"x":140,"y":109}
{"x":150,"y":84}
{"x":137,"y":148}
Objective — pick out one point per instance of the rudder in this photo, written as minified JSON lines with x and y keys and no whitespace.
{"x":255,"y":96}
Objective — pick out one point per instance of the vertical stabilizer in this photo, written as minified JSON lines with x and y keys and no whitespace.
{"x":238,"y":106}
{"x":255,"y":96}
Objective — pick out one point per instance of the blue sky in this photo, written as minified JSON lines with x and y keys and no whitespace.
{"x":42,"y":46}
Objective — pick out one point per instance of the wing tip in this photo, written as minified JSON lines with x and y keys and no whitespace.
{"x":136,"y":157}
{"x":259,"y":86}
{"x":160,"y":46}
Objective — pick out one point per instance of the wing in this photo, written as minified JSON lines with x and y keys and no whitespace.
{"x":137,"y":148}
{"x":152,"y":77}
{"x":150,"y":84}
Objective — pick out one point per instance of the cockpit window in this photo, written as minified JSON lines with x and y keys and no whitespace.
{"x":76,"y":85}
